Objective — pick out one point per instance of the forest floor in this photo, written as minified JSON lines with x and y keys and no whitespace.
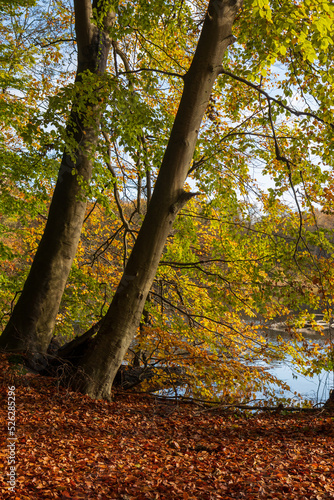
{"x":68,"y":446}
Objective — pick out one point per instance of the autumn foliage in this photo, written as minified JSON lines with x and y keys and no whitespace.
{"x":140,"y":447}
{"x":241,"y":255}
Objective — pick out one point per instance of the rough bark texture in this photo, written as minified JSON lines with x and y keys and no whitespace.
{"x":31,"y":324}
{"x":100,"y":364}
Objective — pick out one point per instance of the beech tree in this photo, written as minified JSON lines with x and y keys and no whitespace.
{"x":119,"y":326}
{"x":32,"y":321}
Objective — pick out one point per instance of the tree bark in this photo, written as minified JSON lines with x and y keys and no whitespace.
{"x":31,"y":324}
{"x":99,"y":365}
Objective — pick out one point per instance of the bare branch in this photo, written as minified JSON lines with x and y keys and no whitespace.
{"x":269,"y":98}
{"x":54,"y":42}
{"x":168,"y":73}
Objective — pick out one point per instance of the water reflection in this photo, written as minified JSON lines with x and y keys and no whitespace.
{"x":314,"y":388}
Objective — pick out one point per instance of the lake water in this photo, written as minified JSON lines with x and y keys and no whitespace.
{"x":314,"y":388}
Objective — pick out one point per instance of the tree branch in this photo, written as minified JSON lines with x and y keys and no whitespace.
{"x":54,"y":42}
{"x":168,"y":73}
{"x":269,"y":98}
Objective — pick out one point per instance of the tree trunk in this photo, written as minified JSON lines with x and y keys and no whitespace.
{"x":31,"y":324}
{"x":100,"y":363}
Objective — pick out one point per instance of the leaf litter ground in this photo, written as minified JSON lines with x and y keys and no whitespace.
{"x":136,"y":447}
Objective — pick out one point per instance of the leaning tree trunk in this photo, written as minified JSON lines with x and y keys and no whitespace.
{"x":31,"y":324}
{"x":100,"y":363}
